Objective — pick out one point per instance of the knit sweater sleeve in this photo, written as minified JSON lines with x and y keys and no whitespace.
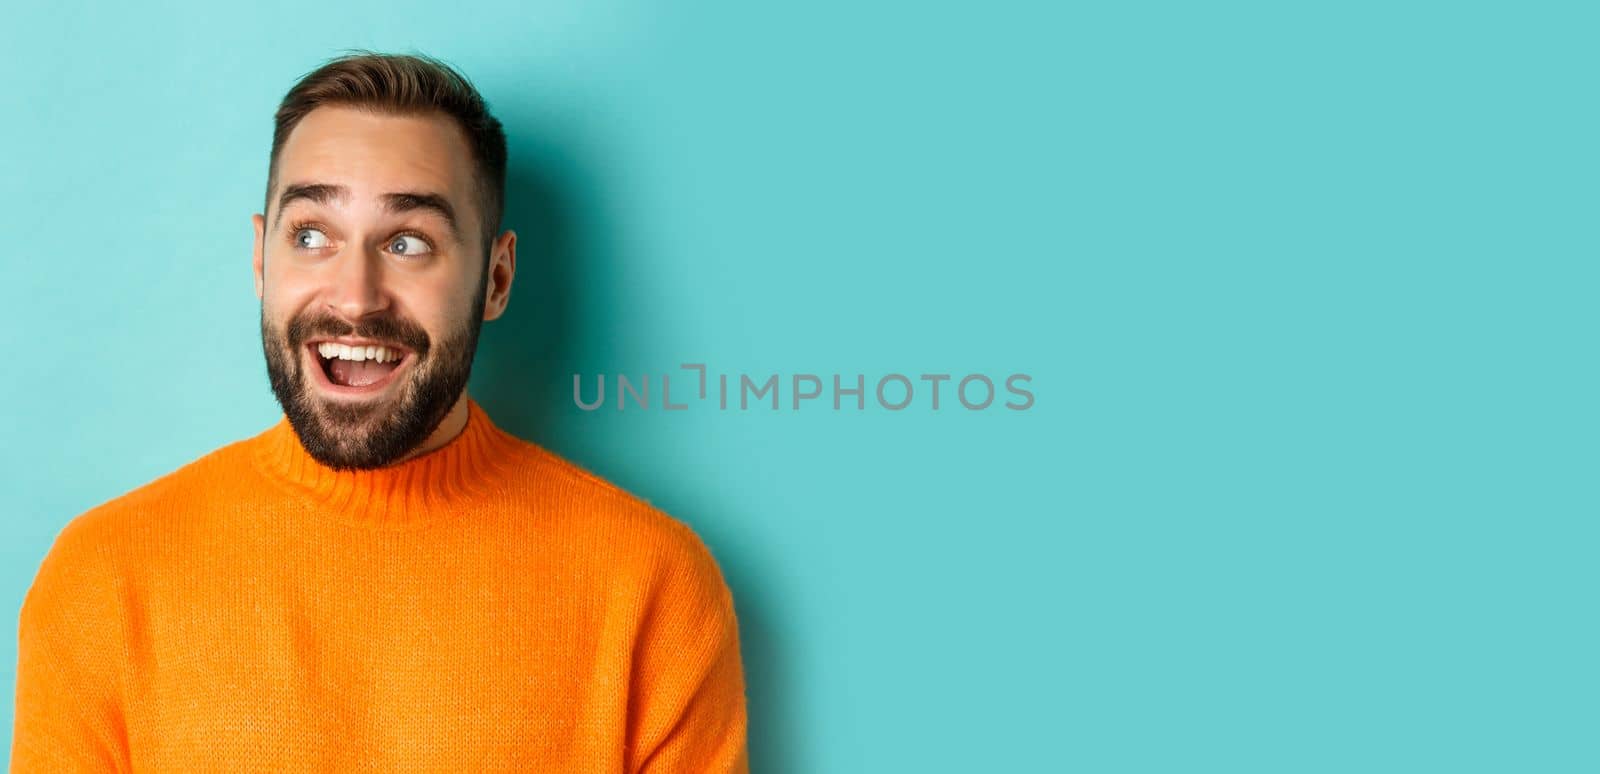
{"x":687,"y":707}
{"x":69,"y":685}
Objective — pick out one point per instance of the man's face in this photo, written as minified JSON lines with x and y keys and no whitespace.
{"x":370,"y":269}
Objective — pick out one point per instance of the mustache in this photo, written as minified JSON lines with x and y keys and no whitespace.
{"x":390,"y":328}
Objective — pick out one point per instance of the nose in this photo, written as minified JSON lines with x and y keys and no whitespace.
{"x":356,"y":288}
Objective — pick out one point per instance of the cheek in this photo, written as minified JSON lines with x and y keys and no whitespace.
{"x":284,"y":280}
{"x":438,"y":305}
{"x":282,"y":303}
{"x":280,"y":306}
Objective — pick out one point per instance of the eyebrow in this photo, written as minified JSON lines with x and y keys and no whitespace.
{"x":396,"y":203}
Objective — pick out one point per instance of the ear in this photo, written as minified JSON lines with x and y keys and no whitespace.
{"x":502,"y":268}
{"x":260,"y":224}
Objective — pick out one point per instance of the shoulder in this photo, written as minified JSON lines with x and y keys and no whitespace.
{"x":97,"y":540}
{"x":613,"y":522}
{"x":211,"y":476}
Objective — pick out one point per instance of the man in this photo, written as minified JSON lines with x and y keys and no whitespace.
{"x":384,"y":580}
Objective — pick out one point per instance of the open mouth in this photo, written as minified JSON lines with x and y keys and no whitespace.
{"x":356,"y":366}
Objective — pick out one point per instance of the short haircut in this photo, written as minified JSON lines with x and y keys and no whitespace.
{"x":403,"y":84}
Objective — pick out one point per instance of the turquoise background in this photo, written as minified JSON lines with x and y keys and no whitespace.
{"x":1307,"y":292}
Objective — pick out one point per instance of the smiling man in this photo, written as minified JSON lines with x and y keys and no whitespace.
{"x":383,"y":580}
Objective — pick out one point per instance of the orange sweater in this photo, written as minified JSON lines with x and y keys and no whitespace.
{"x":486,"y":606}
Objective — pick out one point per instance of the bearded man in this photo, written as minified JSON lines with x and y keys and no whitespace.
{"x":384,"y":580}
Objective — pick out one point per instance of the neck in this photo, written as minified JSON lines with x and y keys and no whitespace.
{"x":463,"y":458}
{"x":451,"y":426}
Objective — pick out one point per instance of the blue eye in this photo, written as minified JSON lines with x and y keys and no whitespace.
{"x":406,"y":244}
{"x":310,"y":239}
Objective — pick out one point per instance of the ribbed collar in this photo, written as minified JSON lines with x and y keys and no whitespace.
{"x":411,"y":493}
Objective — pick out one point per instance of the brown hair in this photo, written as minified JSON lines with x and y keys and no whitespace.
{"x":404,"y":84}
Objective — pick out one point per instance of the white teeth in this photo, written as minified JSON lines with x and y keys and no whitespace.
{"x":332,"y":350}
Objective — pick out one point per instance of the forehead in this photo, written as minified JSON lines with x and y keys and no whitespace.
{"x":374,"y":153}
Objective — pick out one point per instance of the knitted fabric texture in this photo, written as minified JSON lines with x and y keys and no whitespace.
{"x":487,"y":606}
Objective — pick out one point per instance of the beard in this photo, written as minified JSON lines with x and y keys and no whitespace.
{"x":370,"y":434}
